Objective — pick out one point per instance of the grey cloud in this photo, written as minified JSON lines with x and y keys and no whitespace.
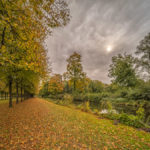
{"x":94,"y":25}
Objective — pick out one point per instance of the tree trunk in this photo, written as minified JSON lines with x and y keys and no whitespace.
{"x":10,"y":92}
{"x":21,"y":94}
{"x":5,"y":95}
{"x":3,"y":37}
{"x":17,"y":94}
{"x":74,"y":84}
{"x":24,"y":95}
{"x":67,"y":87}
{"x":2,"y":96}
{"x":74,"y":81}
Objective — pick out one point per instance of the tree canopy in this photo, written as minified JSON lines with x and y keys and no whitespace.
{"x":122,"y":70}
{"x":24,"y":26}
{"x":143,"y":50}
{"x":75,"y":69}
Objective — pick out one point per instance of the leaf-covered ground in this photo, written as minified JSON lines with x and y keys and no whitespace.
{"x":37,"y":124}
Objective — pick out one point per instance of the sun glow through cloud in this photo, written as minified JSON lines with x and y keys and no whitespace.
{"x":109,"y":48}
{"x":99,"y":36}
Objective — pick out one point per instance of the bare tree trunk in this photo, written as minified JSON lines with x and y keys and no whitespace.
{"x":21,"y":93}
{"x":1,"y":95}
{"x":74,"y":85}
{"x":10,"y":92}
{"x":17,"y":94}
{"x":24,"y":95}
{"x":5,"y":95}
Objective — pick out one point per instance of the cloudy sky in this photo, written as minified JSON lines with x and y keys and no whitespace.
{"x":96,"y":27}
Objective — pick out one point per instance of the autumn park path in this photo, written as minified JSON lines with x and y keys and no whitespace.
{"x":36,"y":124}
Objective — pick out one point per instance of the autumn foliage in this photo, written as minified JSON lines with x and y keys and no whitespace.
{"x":24,"y":26}
{"x":37,"y":124}
{"x":55,"y":85}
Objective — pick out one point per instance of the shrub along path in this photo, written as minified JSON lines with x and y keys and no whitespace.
{"x":38,"y":124}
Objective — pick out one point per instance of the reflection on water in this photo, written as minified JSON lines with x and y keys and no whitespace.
{"x":105,"y":111}
{"x":116,"y":108}
{"x":92,"y":104}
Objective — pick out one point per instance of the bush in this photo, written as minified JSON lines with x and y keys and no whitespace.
{"x":96,"y":112}
{"x":79,"y":106}
{"x":134,"y":94}
{"x":78,"y":97}
{"x":55,"y":97}
{"x":148,"y":120}
{"x":126,"y":119}
{"x":145,"y":90}
{"x":105,"y":104}
{"x":140,"y":113}
{"x":61,"y":102}
{"x":146,"y":106}
{"x":130,"y":120}
{"x":86,"y":107}
{"x":92,"y":97}
{"x":105,"y":94}
{"x":67,"y":99}
{"x":120,"y":99}
{"x":111,"y":116}
{"x":123,"y":93}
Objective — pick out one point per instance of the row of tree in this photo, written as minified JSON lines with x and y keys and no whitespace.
{"x":72,"y":81}
{"x":126,"y":72}
{"x":24,"y":26}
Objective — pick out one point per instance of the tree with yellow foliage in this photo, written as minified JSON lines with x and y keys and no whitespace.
{"x":55,"y":85}
{"x":24,"y":26}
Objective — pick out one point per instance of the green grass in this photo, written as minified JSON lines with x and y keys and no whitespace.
{"x":41,"y":125}
{"x":2,"y":101}
{"x":96,"y":133}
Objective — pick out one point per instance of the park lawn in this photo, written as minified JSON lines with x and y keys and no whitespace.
{"x":38,"y":124}
{"x":3,"y":101}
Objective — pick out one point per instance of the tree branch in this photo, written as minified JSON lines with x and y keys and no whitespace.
{"x":3,"y":38}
